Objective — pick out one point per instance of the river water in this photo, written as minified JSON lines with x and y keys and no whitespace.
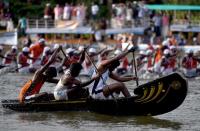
{"x":185,"y":117}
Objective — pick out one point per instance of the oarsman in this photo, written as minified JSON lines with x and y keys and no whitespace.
{"x":81,"y":48}
{"x":166,"y":63}
{"x":149,"y":60}
{"x":69,"y":87}
{"x":36,"y":51}
{"x":58,"y":58}
{"x":124,"y":63}
{"x":87,"y":64}
{"x":101,"y":90}
{"x":45,"y":74}
{"x":67,"y":60}
{"x":157,"y":59}
{"x":165,"y":45}
{"x":73,"y":56}
{"x":46,"y":55}
{"x":10,"y":58}
{"x":23,"y":65}
{"x":189,"y":64}
{"x":91,"y":57}
{"x":174,"y":54}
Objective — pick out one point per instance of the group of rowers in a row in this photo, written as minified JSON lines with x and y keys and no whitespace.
{"x":46,"y":63}
{"x":166,"y":59}
{"x":68,"y":86}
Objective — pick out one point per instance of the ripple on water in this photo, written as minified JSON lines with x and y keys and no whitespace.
{"x":185,"y":117}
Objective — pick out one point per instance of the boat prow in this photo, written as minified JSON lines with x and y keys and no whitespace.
{"x":153,"y":98}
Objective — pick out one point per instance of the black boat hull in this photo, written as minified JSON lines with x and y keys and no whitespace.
{"x":154,"y":98}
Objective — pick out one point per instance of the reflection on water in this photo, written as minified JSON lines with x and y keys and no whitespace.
{"x":161,"y":123}
{"x":93,"y":120}
{"x":186,"y":117}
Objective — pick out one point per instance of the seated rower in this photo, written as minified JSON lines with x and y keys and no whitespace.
{"x":23,"y":65}
{"x":166,"y":63}
{"x":36,"y":51}
{"x":123,"y":67}
{"x":100,"y":90}
{"x":10,"y":57}
{"x":91,"y":57}
{"x":189,"y":64}
{"x":73,"y":56}
{"x":69,"y":87}
{"x":46,"y":55}
{"x":44,"y":74}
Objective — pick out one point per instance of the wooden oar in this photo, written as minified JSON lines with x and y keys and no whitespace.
{"x":135,"y":68}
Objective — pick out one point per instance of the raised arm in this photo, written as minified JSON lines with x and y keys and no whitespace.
{"x":100,"y":51}
{"x":122,"y":79}
{"x":50,"y":61}
{"x":83,"y":84}
{"x":118,"y":57}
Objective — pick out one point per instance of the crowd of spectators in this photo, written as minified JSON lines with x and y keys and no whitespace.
{"x":66,"y":12}
{"x":134,"y":14}
{"x":6,"y":16}
{"x":123,"y":15}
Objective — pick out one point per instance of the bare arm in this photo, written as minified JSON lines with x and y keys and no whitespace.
{"x":55,"y":81}
{"x":121,"y":79}
{"x":118,"y":57}
{"x":50,"y":61}
{"x":89,"y":81}
{"x":100,"y":51}
{"x":86,"y":83}
{"x":82,"y":58}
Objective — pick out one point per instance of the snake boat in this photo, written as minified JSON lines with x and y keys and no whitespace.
{"x":153,"y":98}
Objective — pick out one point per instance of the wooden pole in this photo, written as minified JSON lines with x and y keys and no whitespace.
{"x":135,"y":68}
